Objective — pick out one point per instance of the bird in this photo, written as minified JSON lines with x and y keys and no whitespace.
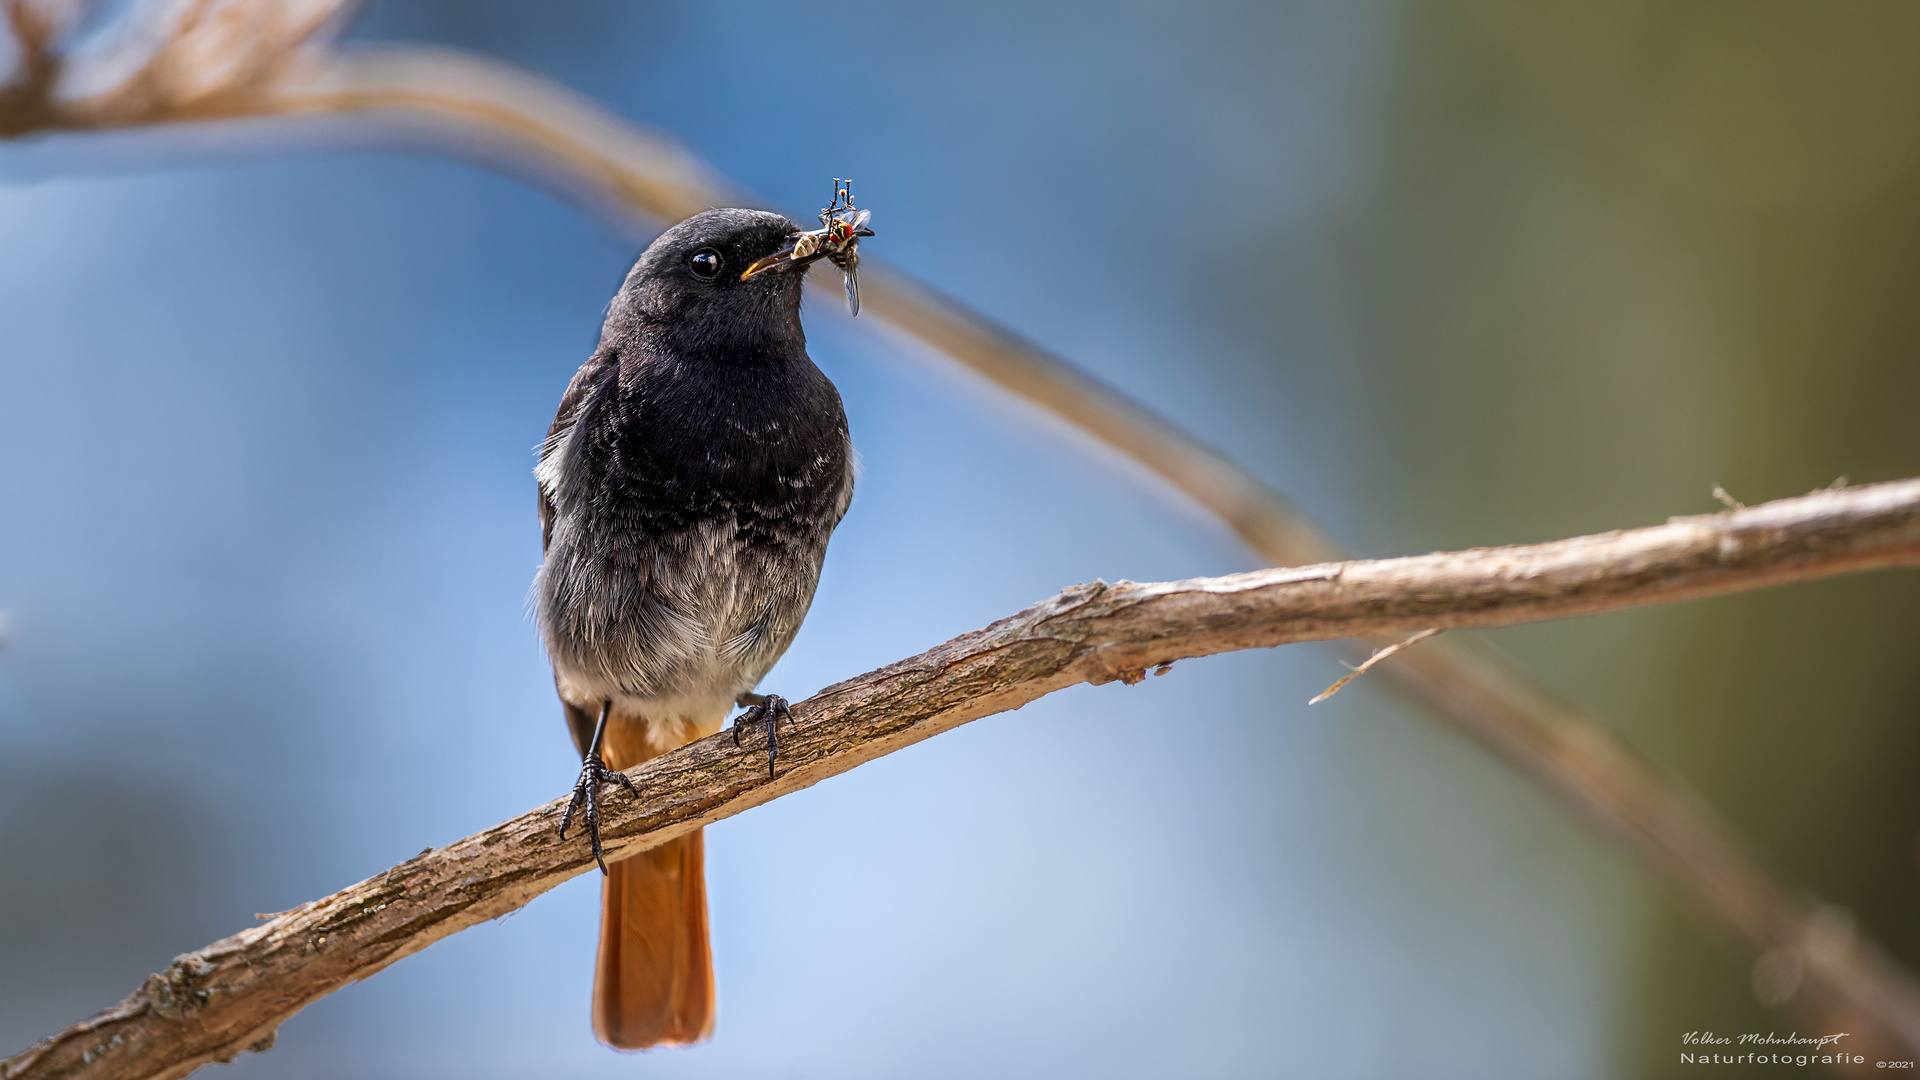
{"x":694,"y":471}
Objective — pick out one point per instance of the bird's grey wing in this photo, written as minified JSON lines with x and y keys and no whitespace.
{"x":546,"y":521}
{"x":579,"y":391}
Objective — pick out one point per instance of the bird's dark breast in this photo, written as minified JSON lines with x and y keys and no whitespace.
{"x":692,"y":505}
{"x":766,"y":447}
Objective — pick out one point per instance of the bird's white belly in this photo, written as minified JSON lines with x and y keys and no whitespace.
{"x":682,"y":632}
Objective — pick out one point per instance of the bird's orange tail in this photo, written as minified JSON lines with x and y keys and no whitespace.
{"x":653,"y":985}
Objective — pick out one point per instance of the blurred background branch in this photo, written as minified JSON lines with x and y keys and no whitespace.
{"x":233,"y":995}
{"x":71,"y":68}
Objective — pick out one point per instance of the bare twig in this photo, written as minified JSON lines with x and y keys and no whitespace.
{"x":151,"y":63}
{"x":1361,"y":669}
{"x":231,"y":996}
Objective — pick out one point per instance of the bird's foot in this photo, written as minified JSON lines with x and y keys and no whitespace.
{"x":593,"y":773}
{"x":763,"y":707}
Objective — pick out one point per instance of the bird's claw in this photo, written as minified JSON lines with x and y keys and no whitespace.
{"x":770,"y":709}
{"x":593,"y":773}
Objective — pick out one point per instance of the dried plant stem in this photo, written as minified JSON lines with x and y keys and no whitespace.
{"x":232,"y":995}
{"x":1366,"y":665}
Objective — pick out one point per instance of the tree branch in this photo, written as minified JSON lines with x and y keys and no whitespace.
{"x":231,"y":996}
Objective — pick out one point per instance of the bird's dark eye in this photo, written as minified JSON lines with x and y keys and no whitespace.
{"x":706,"y":263}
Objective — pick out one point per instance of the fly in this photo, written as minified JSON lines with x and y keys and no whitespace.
{"x":838,"y":238}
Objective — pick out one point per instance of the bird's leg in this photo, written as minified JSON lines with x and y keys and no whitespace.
{"x":768,"y":707}
{"x":593,"y":773}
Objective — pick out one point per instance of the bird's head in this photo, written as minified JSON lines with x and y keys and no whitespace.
{"x":692,"y":290}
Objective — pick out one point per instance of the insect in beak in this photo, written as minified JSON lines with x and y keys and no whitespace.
{"x":837,"y":239}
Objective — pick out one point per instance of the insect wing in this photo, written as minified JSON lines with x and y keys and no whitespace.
{"x":853,"y":288}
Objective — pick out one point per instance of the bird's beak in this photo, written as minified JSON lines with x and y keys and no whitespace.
{"x":761,"y":266}
{"x":782,"y":258}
